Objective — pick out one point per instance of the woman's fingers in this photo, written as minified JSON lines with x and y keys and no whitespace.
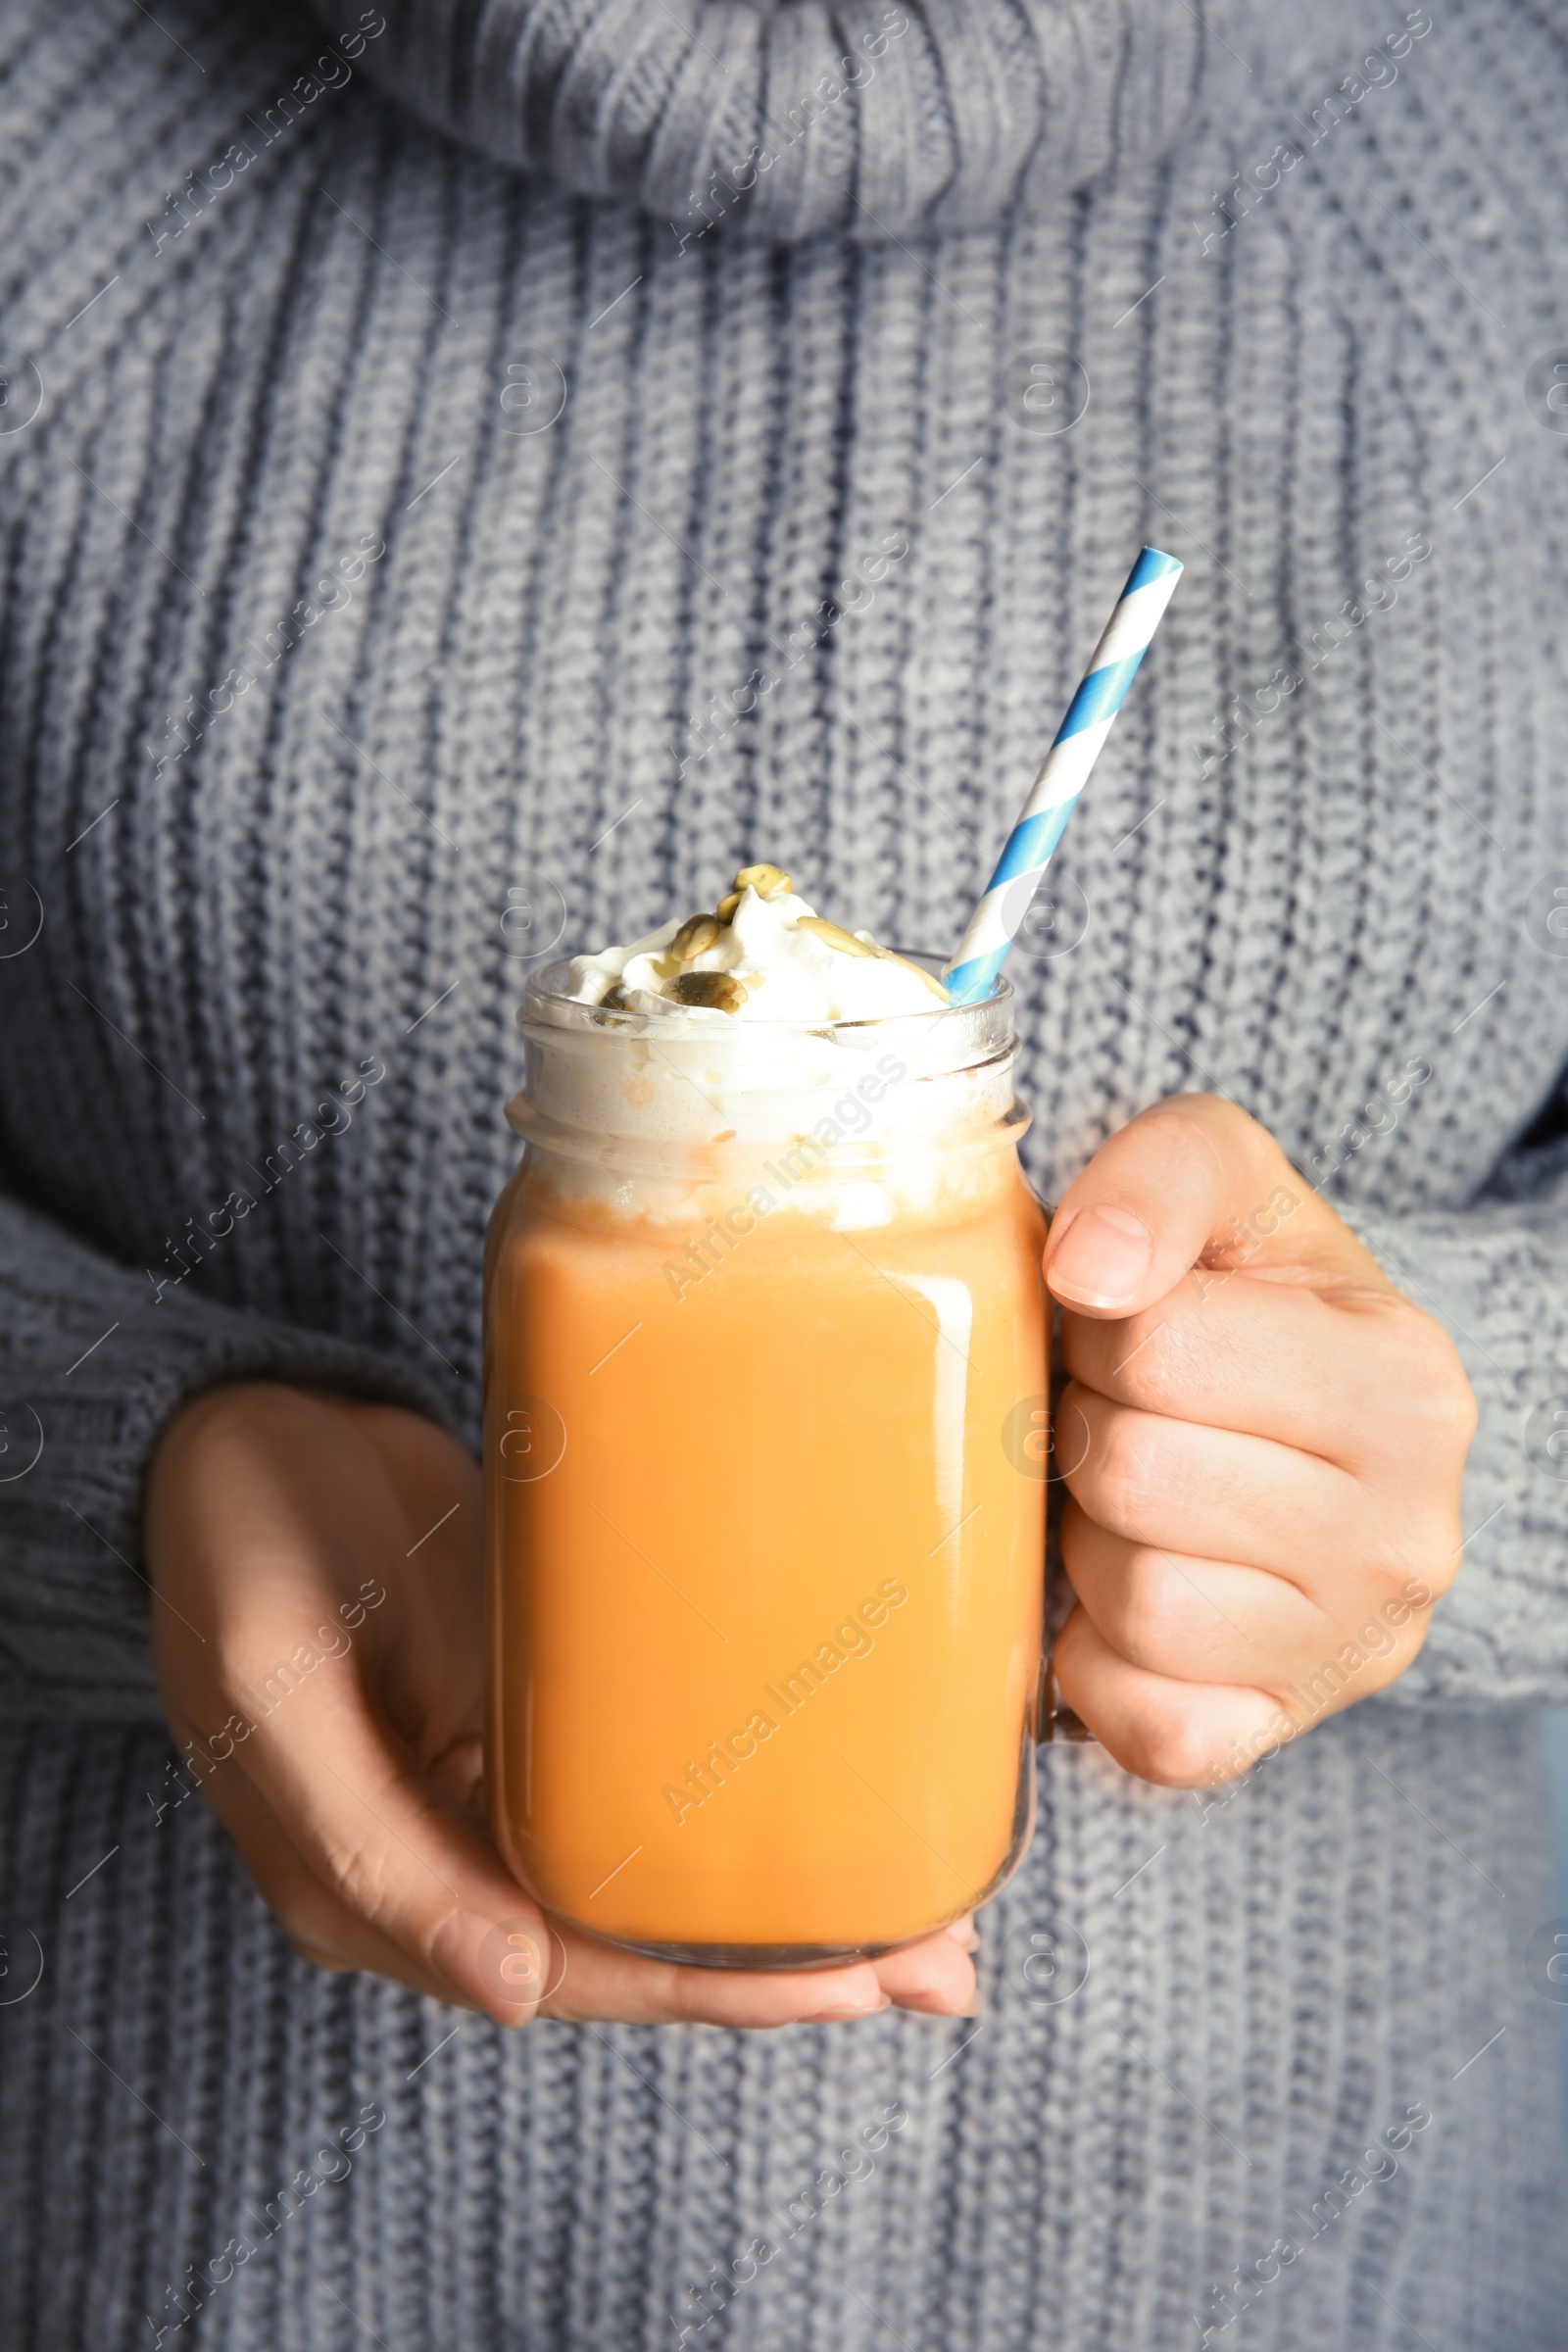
{"x":369,"y":1827}
{"x":1364,"y":1379}
{"x":1214,"y":1494}
{"x":350,"y":1766}
{"x":598,"y":1980}
{"x":1199,"y":1620}
{"x":372,"y":1873}
{"x":525,"y":1963}
{"x":1261,"y":1441}
{"x":1181,"y":1735}
{"x":936,"y":1974}
{"x":321,"y":1926}
{"x":1192,"y":1181}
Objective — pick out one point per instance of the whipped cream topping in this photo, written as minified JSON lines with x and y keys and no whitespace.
{"x":765,"y":955}
{"x":665,"y":1077}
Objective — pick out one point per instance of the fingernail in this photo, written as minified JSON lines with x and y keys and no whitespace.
{"x":497,"y":1964}
{"x":845,"y":2010}
{"x":1101,"y":1258}
{"x":938,"y":2005}
{"x":962,"y":1931}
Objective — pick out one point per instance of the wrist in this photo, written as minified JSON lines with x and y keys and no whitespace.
{"x":252,"y":1405}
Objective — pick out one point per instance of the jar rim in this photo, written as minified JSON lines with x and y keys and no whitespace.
{"x":547,"y":1010}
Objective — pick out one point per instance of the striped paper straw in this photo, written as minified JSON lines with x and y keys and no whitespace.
{"x":1043,"y":818}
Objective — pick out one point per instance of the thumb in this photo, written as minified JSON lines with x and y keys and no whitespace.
{"x":416,"y":1872}
{"x":1192,"y":1181}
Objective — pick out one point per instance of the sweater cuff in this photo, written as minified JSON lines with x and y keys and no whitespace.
{"x":90,"y":1373}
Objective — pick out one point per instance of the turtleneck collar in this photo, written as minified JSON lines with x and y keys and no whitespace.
{"x":876,"y":118}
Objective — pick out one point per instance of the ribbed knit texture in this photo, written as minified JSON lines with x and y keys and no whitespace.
{"x":345,"y":368}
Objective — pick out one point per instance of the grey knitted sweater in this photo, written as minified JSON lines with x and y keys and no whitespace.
{"x":473,"y":476}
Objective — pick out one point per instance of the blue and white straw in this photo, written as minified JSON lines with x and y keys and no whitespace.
{"x":1043,"y":818}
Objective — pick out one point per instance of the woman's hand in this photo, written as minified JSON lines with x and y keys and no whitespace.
{"x":1262,"y":1443}
{"x":318,"y":1636}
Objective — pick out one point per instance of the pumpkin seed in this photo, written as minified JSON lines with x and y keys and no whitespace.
{"x":719,"y":990}
{"x":832,"y":935}
{"x":769,"y":881}
{"x":695,"y":938}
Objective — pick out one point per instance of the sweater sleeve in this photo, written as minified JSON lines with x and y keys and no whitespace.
{"x":1495,"y":1276}
{"x":90,"y":1371}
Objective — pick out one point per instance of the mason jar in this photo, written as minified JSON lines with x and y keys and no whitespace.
{"x":762,"y":1306}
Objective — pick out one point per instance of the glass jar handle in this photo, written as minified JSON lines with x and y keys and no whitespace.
{"x":1054,"y":1718}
